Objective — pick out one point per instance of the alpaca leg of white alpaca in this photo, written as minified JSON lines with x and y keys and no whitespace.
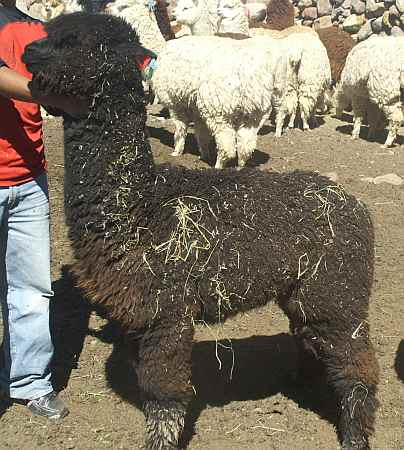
{"x":291,"y":102}
{"x":264,"y":119}
{"x":279,"y":121}
{"x":292,"y":119}
{"x":246,"y":143}
{"x":340,"y":100}
{"x":395,"y":117}
{"x":376,"y":120}
{"x":359,"y":105}
{"x":225,"y":138}
{"x":307,"y":106}
{"x":181,"y":123}
{"x":203,"y":137}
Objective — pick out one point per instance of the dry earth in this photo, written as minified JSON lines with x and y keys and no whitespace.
{"x":259,"y":408}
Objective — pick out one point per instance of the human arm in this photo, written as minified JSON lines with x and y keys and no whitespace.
{"x":15,"y":86}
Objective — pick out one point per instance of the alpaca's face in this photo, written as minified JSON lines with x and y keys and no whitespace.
{"x":85,"y":56}
{"x":187,"y":12}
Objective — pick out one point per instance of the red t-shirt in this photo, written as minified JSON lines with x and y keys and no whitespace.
{"x":22,"y":155}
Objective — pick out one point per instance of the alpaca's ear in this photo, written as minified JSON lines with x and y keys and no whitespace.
{"x":37,"y":55}
{"x":136,"y":51}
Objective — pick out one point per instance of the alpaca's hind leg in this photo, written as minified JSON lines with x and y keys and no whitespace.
{"x":181,"y":122}
{"x":280,"y":120}
{"x":307,"y":106}
{"x":203,"y":138}
{"x":376,"y":120}
{"x":395,"y":117}
{"x":339,"y":338}
{"x":359,"y":105}
{"x":164,"y":374}
{"x":246,"y":142}
{"x":341,"y":101}
{"x":353,"y":372}
{"x":292,"y":105}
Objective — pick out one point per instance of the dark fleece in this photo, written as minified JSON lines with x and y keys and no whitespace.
{"x":338,"y":44}
{"x":248,"y":237}
{"x":280,"y":15}
{"x":163,"y":20}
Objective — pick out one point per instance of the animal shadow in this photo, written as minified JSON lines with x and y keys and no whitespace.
{"x":167,"y":138}
{"x":266,"y":129}
{"x":399,"y":361}
{"x":231,"y":370}
{"x":69,"y":318}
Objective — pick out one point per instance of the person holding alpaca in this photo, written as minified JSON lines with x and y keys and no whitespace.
{"x":25,"y":282}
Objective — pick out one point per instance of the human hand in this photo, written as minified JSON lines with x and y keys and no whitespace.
{"x":71,"y":105}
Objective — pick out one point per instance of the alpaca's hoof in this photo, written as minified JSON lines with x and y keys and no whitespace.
{"x":361,"y":445}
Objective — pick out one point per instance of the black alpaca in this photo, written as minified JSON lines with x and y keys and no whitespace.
{"x":161,"y":247}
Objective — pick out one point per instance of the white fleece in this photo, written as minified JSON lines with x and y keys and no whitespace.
{"x":373,"y":76}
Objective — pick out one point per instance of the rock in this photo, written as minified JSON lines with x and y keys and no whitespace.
{"x":333,"y":176}
{"x":390,"y":178}
{"x":374,"y":9}
{"x":400,"y":5}
{"x":325,"y":22}
{"x":377,"y":25}
{"x":397,"y":31}
{"x":324,"y":7}
{"x":335,"y":13}
{"x":388,"y":3}
{"x":304,"y":4}
{"x":310,"y":13}
{"x":394,"y":15}
{"x":297,"y":11}
{"x":346,"y":13}
{"x":338,"y":3}
{"x":358,"y":6}
{"x":365,"y":31}
{"x":402,"y":18}
{"x":394,"y":12}
{"x":386,"y":20}
{"x":307,"y":23}
{"x":353,"y":23}
{"x":346,"y":4}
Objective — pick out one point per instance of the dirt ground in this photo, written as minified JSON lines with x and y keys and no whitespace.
{"x":259,"y":408}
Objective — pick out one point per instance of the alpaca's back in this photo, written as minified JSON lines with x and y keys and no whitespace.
{"x":220,"y":67}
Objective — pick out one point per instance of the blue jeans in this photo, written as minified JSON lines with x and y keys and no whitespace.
{"x":25,"y":289}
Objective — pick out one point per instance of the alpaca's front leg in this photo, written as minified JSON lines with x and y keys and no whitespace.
{"x":181,"y":123}
{"x":164,"y":374}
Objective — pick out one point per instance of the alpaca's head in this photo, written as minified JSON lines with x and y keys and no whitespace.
{"x":187,"y":12}
{"x":88,"y":56}
{"x":228,"y":9}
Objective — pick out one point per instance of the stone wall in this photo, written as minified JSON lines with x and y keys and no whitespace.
{"x":361,"y":18}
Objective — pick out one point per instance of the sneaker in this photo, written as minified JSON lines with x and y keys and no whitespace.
{"x":50,"y":406}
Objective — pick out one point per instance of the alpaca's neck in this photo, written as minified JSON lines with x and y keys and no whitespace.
{"x":110,"y":171}
{"x":236,"y":24}
{"x":208,"y":21}
{"x":145,"y":24}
